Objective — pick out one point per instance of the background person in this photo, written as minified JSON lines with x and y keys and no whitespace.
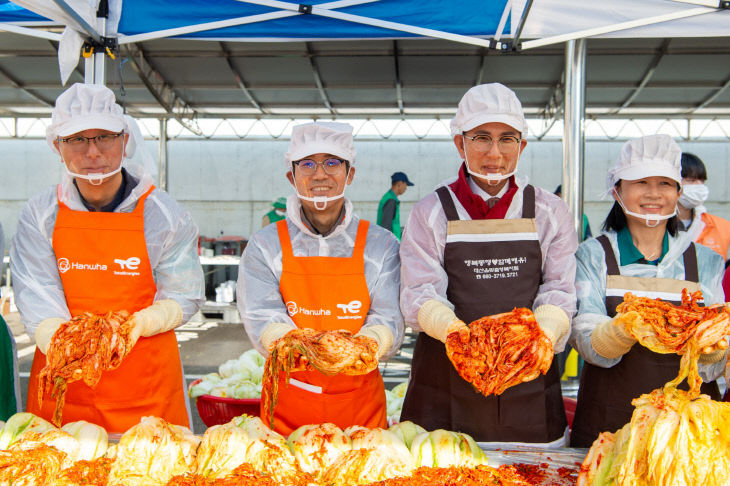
{"x":640,"y":251}
{"x":277,"y":213}
{"x":704,"y":228}
{"x":326,"y":269}
{"x":488,"y":223}
{"x":9,"y":379}
{"x":389,"y":207}
{"x":105,"y":239}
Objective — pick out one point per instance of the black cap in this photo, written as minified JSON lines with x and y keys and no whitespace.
{"x":400,"y":176}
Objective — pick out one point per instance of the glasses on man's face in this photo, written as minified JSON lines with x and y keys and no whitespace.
{"x":507,"y":144}
{"x":330,"y":166}
{"x":102,"y":142}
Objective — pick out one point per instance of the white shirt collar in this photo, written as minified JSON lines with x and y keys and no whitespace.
{"x":484,"y":194}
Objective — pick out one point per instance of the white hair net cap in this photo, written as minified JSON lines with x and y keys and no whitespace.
{"x":321,"y":138}
{"x":488,"y":103}
{"x":650,"y":156}
{"x":84,"y":107}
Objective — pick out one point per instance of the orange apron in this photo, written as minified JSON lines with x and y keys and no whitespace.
{"x":327,"y":293}
{"x":104,"y":266}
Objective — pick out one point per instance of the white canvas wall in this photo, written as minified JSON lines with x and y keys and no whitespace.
{"x":228,"y":185}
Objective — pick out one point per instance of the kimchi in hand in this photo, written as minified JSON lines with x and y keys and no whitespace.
{"x":329,"y":352}
{"x":81,"y":349}
{"x":500,"y":351}
{"x":687,"y":329}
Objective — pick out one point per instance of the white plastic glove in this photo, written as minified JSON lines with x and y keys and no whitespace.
{"x":163,"y":315}
{"x":273,"y":332}
{"x":553,"y":321}
{"x":381,"y":334}
{"x":45,"y":331}
{"x":438,"y":320}
{"x":611,"y":340}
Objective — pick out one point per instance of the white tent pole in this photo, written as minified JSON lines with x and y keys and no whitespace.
{"x":573,"y":134}
{"x":95,"y":65}
{"x":163,"y":154}
{"x":615,"y":27}
{"x":220,"y":24}
{"x":503,"y":20}
{"x":30,"y":32}
{"x":358,"y":19}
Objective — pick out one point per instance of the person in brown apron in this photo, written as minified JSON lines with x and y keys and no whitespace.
{"x":641,"y":251}
{"x":484,"y":245}
{"x":323,"y":268}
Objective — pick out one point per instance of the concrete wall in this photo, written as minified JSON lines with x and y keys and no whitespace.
{"x":228,"y":185}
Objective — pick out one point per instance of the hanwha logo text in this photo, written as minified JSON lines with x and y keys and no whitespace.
{"x":63,"y":265}
{"x":291,"y":308}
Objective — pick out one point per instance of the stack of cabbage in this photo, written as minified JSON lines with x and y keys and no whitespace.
{"x":32,"y":449}
{"x":325,"y":454}
{"x":236,"y":378}
{"x":154,"y":453}
{"x":672,"y":439}
{"x":394,"y":401}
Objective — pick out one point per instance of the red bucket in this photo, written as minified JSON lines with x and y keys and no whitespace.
{"x":221,"y":410}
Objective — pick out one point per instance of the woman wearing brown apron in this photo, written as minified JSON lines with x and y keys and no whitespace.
{"x":480,"y":246}
{"x":640,"y":251}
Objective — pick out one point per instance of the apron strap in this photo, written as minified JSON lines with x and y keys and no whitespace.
{"x":284,"y":239}
{"x":611,"y":263}
{"x":139,"y":209}
{"x":528,"y":202}
{"x":362,"y":236}
{"x":447,"y":203}
{"x":691,"y":273}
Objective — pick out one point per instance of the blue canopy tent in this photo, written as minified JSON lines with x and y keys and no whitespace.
{"x":499,"y":24}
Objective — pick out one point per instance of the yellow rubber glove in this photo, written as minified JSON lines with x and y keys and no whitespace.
{"x":163,"y":315}
{"x":611,"y":340}
{"x":273,"y":332}
{"x":381,"y":334}
{"x":438,"y":320}
{"x":713,"y":354}
{"x":553,"y":321}
{"x":45,"y":331}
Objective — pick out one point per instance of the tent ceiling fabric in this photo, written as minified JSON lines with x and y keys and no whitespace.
{"x":231,"y":79}
{"x":394,"y":77}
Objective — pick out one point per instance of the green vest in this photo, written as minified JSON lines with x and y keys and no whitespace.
{"x":396,"y":218}
{"x":8,"y":372}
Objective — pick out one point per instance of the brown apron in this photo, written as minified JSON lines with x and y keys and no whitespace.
{"x":605,"y":394}
{"x":493,"y":266}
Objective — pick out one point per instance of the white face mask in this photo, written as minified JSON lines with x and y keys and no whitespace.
{"x":693,"y":195}
{"x":94,"y":179}
{"x":493,"y":178}
{"x":648,"y":218}
{"x":320,"y":202}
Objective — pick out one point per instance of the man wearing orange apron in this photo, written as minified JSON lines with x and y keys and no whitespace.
{"x":106,"y":239}
{"x":323,"y":268}
{"x":483,"y":245}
